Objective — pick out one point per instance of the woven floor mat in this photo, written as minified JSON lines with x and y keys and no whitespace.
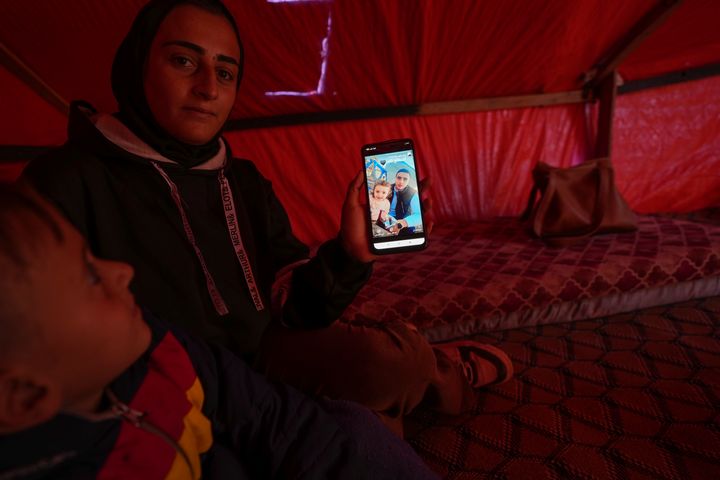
{"x":632,"y":396}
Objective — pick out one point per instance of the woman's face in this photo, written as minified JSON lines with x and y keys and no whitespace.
{"x":191,"y":74}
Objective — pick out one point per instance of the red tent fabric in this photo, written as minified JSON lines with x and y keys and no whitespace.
{"x":375,"y":53}
{"x":309,"y":56}
{"x":666,"y":153}
{"x":314,"y":57}
{"x":27,"y":119}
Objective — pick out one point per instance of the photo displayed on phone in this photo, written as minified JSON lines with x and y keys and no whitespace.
{"x":393,"y":196}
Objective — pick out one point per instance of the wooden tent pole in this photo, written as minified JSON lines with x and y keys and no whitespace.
{"x":10,"y":61}
{"x":602,"y":80}
{"x":605,"y":93}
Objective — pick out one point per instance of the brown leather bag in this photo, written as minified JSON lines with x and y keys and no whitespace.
{"x":577,"y":202}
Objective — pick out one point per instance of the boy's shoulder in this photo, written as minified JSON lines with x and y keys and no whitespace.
{"x":161,"y":399}
{"x":175,"y":352}
{"x":168,"y":345}
{"x":167,"y":390}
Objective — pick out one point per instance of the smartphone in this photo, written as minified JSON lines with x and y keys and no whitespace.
{"x":394,"y":212}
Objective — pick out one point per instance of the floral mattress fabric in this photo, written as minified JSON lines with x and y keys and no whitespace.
{"x":492,"y":276}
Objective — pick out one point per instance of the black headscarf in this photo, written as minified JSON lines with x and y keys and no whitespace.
{"x":128,"y":82}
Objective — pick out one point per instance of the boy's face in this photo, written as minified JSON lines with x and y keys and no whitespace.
{"x":381,"y":192}
{"x":87,"y":327}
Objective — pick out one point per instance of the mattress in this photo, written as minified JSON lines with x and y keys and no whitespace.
{"x":491,"y":275}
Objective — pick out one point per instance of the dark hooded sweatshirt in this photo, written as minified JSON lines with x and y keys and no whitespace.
{"x":123,"y":207}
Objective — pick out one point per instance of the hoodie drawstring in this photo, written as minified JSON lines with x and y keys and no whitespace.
{"x":236,"y":239}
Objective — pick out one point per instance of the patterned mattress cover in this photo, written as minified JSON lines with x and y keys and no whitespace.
{"x":492,"y":276}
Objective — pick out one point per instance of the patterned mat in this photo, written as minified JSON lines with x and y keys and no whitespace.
{"x":631,"y":396}
{"x":474,"y":275}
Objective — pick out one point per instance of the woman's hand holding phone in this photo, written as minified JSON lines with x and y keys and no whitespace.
{"x":353,"y":226}
{"x":354,"y":234}
{"x":425,"y":187}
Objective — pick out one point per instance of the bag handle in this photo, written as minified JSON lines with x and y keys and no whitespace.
{"x":531,"y":203}
{"x":545,"y":169}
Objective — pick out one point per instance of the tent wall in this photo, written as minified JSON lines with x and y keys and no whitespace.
{"x":479,"y":162}
{"x":10,"y":170}
{"x":329,"y":56}
{"x":666,"y":152}
{"x":25,"y":117}
{"x":667,"y":147}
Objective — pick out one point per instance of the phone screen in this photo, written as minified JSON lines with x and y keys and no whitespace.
{"x":394,"y":205}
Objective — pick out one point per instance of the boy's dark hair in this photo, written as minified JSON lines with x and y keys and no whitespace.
{"x":16,"y":199}
{"x":17,"y":245}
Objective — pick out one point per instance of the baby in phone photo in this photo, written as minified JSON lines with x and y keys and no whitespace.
{"x":379,"y":208}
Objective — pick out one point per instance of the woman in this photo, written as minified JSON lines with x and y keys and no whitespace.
{"x":156,"y":185}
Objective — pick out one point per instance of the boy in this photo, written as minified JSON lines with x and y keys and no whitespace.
{"x":93,"y":387}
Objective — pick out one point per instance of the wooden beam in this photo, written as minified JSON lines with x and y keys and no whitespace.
{"x":434,"y":108}
{"x":319,"y":117}
{"x":472,"y":105}
{"x":10,"y":61}
{"x":671,"y":78}
{"x":500,"y":103}
{"x":629,"y":42}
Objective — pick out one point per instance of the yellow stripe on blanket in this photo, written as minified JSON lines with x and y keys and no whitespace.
{"x":196,"y":437}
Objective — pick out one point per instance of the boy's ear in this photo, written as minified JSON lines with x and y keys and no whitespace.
{"x":26,"y":400}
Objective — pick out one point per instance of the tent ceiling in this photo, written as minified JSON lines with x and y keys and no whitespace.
{"x":33,"y":120}
{"x":690,"y":38}
{"x":395,"y":53}
{"x":328,"y":55}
